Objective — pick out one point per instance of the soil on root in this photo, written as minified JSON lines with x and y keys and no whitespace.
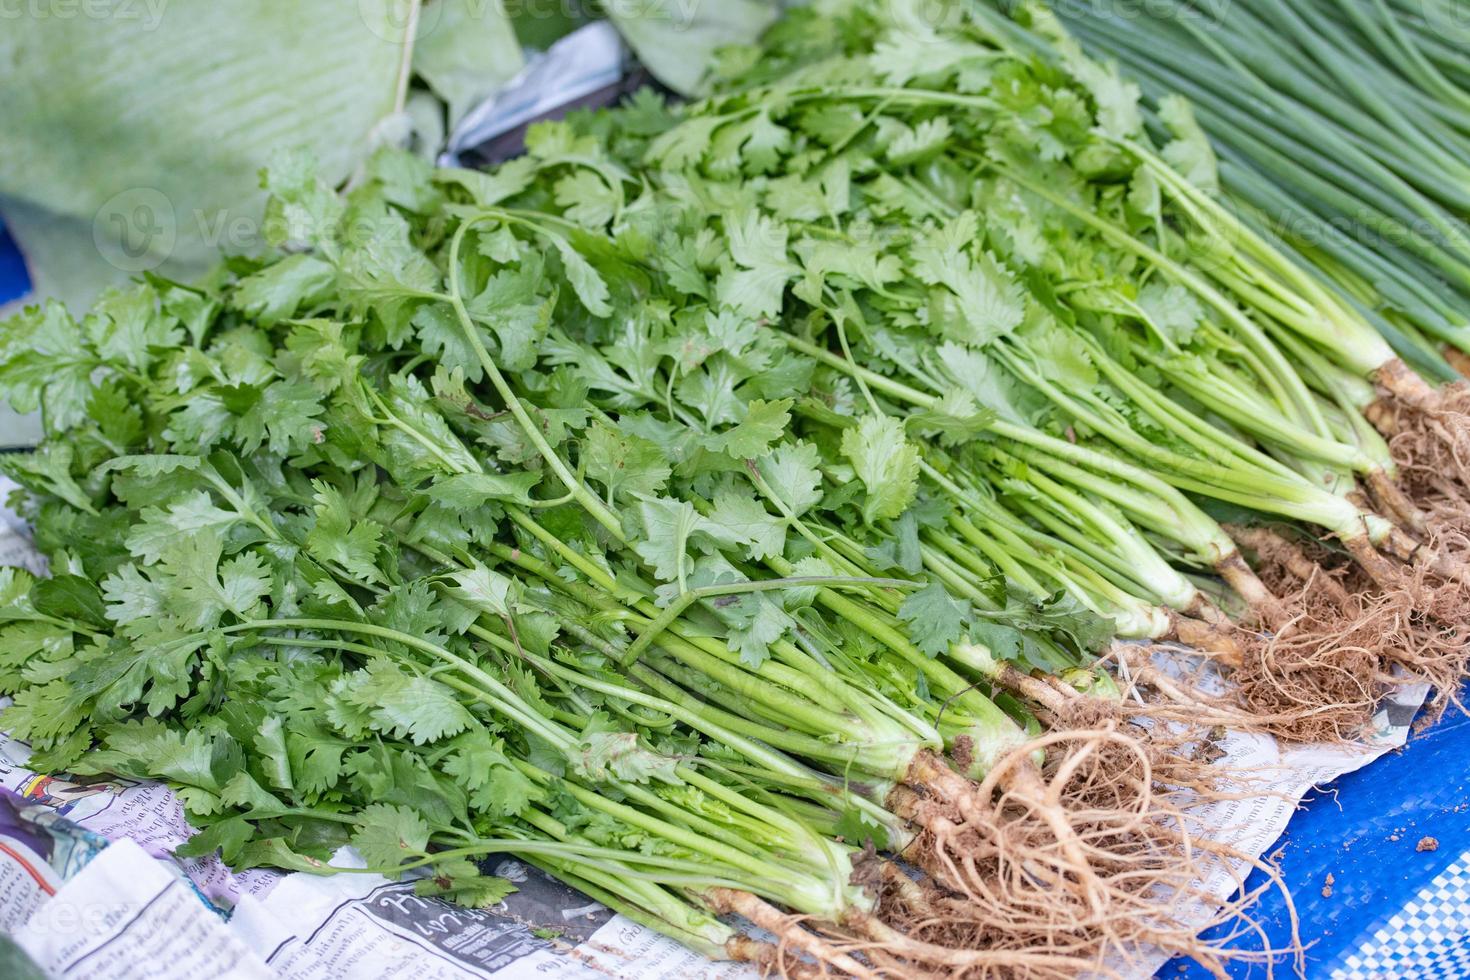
{"x":1428,"y":432}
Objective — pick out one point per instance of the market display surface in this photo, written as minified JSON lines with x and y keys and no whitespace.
{"x":905,"y":513}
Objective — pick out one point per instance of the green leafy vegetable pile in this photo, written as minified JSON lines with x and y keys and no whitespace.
{"x":715,"y":497}
{"x":1343,"y":128}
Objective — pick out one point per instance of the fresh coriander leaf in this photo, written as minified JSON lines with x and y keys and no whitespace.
{"x":586,"y":281}
{"x":278,"y":291}
{"x":340,"y":539}
{"x":69,"y":597}
{"x":466,"y":491}
{"x":159,"y":527}
{"x":387,"y":836}
{"x":586,"y":198}
{"x":764,"y":422}
{"x":604,"y":756}
{"x":885,"y":462}
{"x":754,"y":285}
{"x":990,"y":303}
{"x":624,"y":462}
{"x":670,"y":526}
{"x":475,"y":891}
{"x":404,"y":705}
{"x":1171,"y":309}
{"x":935,"y":618}
{"x":790,"y":470}
{"x":483,"y":590}
{"x":743,"y":518}
{"x":490,"y":188}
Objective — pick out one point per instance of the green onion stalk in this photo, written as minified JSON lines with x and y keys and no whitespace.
{"x":1354,"y":208}
{"x":1343,"y":178}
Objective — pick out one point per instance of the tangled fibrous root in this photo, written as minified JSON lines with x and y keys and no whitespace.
{"x":1180,"y":752}
{"x":1342,"y":637}
{"x":1434,"y":470}
{"x":1001,"y":882}
{"x":1428,"y":431}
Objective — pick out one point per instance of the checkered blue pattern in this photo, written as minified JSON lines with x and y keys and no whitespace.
{"x":1428,"y":939}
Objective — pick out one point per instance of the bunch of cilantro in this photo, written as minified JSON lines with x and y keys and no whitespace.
{"x":967,"y":225}
{"x":340,"y":574}
{"x":658,"y":504}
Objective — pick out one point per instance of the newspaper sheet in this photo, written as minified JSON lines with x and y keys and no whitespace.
{"x":89,"y":887}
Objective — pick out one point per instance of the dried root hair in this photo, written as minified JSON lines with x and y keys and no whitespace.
{"x":1001,"y":880}
{"x":1347,"y":637}
{"x":1428,"y":429}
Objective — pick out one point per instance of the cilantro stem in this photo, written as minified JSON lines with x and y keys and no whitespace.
{"x":504,"y":699}
{"x":589,"y":500}
{"x":1146,"y":497}
{"x":684,"y":709}
{"x":1266,"y":486}
{"x":769,"y":687}
{"x":753,"y":473}
{"x":389,"y":418}
{"x":946,"y":679}
{"x":650,"y":906}
{"x":578,"y":561}
{"x":1284,"y":381}
{"x":515,"y":845}
{"x":676,"y":608}
{"x":763,"y":869}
